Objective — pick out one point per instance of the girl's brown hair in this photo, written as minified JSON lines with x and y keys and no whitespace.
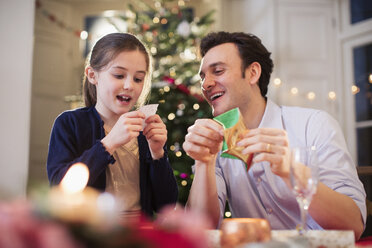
{"x":104,"y":51}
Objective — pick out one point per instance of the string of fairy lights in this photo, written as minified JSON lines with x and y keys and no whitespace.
{"x":54,"y":19}
{"x":83,"y":34}
{"x":310,"y":95}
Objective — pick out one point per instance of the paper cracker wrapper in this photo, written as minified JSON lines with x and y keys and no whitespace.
{"x":148,"y":110}
{"x":233,"y":125}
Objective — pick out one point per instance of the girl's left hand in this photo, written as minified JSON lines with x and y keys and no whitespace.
{"x":156,"y":135}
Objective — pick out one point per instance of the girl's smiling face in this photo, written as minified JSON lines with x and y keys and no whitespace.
{"x":120,"y":83}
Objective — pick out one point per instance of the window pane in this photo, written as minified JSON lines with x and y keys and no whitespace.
{"x":360,"y":10}
{"x":364,"y":146}
{"x":363,"y":80}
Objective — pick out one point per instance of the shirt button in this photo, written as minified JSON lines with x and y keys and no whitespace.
{"x":259,"y":179}
{"x":269,"y":210}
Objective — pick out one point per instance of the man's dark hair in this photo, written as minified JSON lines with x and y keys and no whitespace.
{"x":250,"y":50}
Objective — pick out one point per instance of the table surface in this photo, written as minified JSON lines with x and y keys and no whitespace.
{"x":315,"y":238}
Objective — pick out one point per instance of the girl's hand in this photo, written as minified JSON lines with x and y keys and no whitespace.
{"x":127,"y":127}
{"x":156,"y":135}
{"x":268,"y":144}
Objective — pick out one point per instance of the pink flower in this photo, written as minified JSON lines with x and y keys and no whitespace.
{"x":20,"y":228}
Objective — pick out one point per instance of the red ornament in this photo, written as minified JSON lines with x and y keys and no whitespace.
{"x":183,"y":89}
{"x":145,"y":27}
{"x":199,"y":97}
{"x":169,"y":79}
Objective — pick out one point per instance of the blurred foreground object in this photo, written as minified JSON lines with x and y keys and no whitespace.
{"x":72,"y":201}
{"x":71,"y":215}
{"x":20,"y":227}
{"x":238,"y":231}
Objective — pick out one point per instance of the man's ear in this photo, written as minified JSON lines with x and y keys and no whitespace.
{"x":253,"y":72}
{"x":91,"y":75}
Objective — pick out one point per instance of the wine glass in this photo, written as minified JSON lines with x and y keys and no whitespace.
{"x":304,"y":179}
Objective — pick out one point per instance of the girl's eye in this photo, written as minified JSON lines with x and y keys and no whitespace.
{"x":119,"y":76}
{"x":138,"y":80}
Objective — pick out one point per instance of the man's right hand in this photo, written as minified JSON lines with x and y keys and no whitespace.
{"x":203,"y":140}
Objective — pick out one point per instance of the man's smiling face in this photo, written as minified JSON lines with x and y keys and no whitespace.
{"x":223,"y":84}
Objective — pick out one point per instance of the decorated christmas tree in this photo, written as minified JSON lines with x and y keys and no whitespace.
{"x":172,"y":33}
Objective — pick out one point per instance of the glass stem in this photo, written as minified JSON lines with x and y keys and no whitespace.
{"x":303,"y":211}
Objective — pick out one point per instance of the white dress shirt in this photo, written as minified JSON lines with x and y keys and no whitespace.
{"x":259,"y":193}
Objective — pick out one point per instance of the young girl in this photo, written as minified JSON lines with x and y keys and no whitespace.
{"x":106,"y":135}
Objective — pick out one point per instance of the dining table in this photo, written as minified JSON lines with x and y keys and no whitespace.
{"x":292,"y":238}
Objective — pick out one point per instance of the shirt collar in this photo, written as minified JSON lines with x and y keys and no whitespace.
{"x":272,"y":116}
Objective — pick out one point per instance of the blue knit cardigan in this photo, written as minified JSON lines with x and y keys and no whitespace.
{"x":76,"y":137}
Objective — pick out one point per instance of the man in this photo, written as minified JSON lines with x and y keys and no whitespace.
{"x":235,"y":72}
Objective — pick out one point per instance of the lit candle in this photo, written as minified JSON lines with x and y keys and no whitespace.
{"x":76,"y":179}
{"x":72,"y":201}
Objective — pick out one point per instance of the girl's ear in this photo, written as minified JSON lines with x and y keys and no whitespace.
{"x":91,"y":75}
{"x":253,"y":72}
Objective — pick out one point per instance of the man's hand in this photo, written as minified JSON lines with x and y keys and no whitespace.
{"x":269,"y":144}
{"x":203,"y":140}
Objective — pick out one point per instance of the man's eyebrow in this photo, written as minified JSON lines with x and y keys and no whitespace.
{"x":211,"y":66}
{"x":216,"y":64}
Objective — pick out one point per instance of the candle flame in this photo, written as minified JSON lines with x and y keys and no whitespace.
{"x":75,"y":179}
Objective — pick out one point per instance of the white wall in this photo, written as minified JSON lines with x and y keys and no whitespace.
{"x":251,"y":16}
{"x":16,"y":45}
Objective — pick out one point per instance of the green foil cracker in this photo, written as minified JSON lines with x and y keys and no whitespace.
{"x":233,"y":125}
